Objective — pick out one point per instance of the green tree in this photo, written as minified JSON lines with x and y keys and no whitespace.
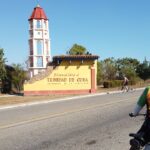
{"x":2,"y":65}
{"x":2,"y":68}
{"x":77,"y":50}
{"x":109,"y":69}
{"x":99,"y":73}
{"x":127,"y":62}
{"x":127,"y":66}
{"x":143,"y":70}
{"x":130,"y":73}
{"x":18,"y":76}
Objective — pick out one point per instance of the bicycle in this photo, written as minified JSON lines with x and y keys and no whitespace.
{"x":126,"y":88}
{"x":138,"y":142}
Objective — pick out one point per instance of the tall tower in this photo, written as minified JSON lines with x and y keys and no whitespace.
{"x":39,"y":41}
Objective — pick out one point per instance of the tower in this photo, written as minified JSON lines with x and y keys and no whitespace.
{"x":39,"y":41}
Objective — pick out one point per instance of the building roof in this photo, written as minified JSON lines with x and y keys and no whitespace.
{"x":75,"y":57}
{"x":38,"y":13}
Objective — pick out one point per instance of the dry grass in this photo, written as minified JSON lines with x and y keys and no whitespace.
{"x":25,"y":99}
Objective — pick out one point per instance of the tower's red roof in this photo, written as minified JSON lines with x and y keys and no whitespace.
{"x":38,"y":13}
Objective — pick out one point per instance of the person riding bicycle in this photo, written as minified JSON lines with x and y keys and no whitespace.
{"x":144,"y":100}
{"x":125,"y":83}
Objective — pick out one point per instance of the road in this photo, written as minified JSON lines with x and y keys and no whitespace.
{"x":97,"y":122}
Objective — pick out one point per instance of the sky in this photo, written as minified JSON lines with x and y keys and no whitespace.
{"x":107,"y":28}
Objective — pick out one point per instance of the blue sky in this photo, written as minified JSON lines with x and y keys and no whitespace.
{"x":108,"y":28}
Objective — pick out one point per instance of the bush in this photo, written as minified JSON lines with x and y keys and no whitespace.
{"x":106,"y":84}
{"x":118,"y":83}
{"x":112,"y":83}
{"x":134,"y":80}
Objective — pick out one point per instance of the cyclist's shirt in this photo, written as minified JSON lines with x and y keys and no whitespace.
{"x":145,"y":99}
{"x":126,"y":81}
{"x":146,"y":95}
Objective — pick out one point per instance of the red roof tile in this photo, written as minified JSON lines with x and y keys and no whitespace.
{"x":38,"y":13}
{"x":75,"y":57}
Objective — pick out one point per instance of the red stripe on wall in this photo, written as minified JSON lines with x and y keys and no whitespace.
{"x":26,"y":93}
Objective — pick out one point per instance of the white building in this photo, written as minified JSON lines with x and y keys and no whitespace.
{"x":39,"y":41}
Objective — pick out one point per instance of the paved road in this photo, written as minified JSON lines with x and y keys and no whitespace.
{"x":91,"y":123}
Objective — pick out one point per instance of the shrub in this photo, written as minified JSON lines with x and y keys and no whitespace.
{"x":112,"y":83}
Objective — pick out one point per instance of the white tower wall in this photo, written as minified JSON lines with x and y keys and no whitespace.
{"x":39,"y":45}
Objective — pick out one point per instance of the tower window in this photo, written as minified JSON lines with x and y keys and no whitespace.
{"x":39,"y":47}
{"x":38,"y":25}
{"x":39,"y":62}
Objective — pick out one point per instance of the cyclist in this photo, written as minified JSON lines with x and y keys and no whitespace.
{"x":145,"y":128}
{"x":125,"y":83}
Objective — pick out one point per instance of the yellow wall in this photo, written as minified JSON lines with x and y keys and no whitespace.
{"x":66,"y":76}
